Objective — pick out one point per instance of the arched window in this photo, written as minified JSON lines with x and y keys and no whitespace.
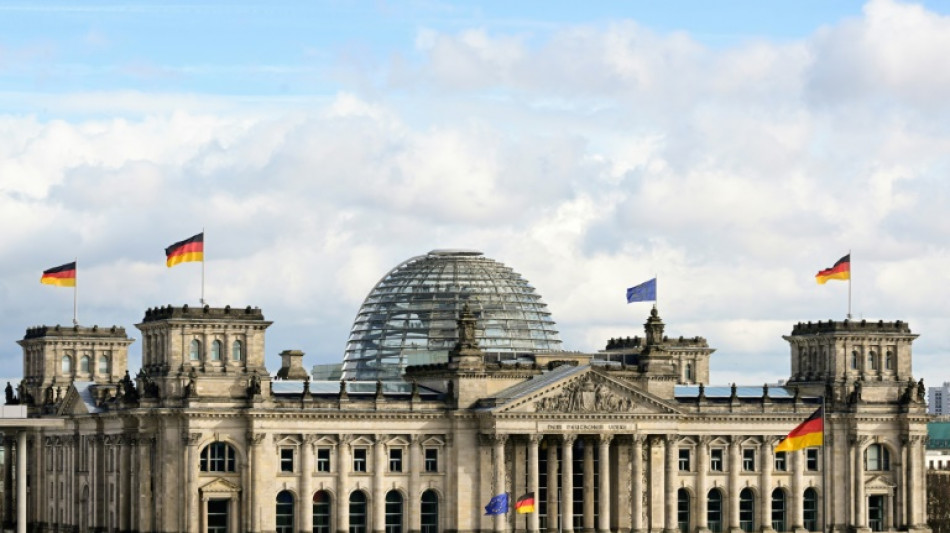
{"x":810,"y":509}
{"x":889,"y":360}
{"x":216,"y":350}
{"x":747,"y":510}
{"x":779,"y":516}
{"x":872,"y":360}
{"x":285,"y":512}
{"x":84,"y":364}
{"x":67,"y":364}
{"x":714,"y":511}
{"x":854,"y":360}
{"x":877,"y":457}
{"x":393,"y":512}
{"x":429,"y":512}
{"x":689,"y":371}
{"x":237,"y":351}
{"x":103,"y":365}
{"x":682,"y":510}
{"x":321,"y":512}
{"x":195,"y":352}
{"x":217,"y":457}
{"x":357,"y":512}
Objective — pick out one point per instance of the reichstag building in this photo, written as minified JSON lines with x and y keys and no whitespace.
{"x":455,"y":388}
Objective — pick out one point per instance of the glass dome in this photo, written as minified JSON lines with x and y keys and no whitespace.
{"x":410,"y":315}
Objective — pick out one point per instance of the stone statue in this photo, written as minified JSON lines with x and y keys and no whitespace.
{"x":9,"y":393}
{"x":921,"y":391}
{"x":254,"y":385}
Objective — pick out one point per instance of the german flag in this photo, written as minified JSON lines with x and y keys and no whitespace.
{"x":808,"y":433}
{"x":63,"y":275}
{"x":190,"y":249}
{"x":525,"y":504}
{"x":841,"y":270}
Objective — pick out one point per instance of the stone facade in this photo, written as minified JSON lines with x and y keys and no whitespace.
{"x":630,"y":439}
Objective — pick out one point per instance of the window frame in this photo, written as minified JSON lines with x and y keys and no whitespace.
{"x":812,"y":463}
{"x":286,"y":456}
{"x":683,"y":460}
{"x":716,"y":459}
{"x":430,"y":464}
{"x":780,"y":462}
{"x":324,"y":464}
{"x":396,"y":456}
{"x":360,"y":460}
{"x":748,"y":459}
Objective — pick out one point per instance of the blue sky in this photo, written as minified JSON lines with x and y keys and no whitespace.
{"x":734,"y":148}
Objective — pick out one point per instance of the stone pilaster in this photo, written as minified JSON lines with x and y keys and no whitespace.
{"x":637,"y":496}
{"x":702,"y":489}
{"x":553,"y":487}
{"x":671,"y":465}
{"x":603,"y":461}
{"x":735,"y":466}
{"x":567,"y":484}
{"x":498,"y":476}
{"x":588,"y":492}
{"x":533,"y":481}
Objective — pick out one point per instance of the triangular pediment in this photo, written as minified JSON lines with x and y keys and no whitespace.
{"x":879,"y":483}
{"x":72,"y":404}
{"x":218,"y":486}
{"x":584,"y":391}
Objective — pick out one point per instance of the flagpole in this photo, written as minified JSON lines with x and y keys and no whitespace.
{"x":76,"y":294}
{"x":824,"y":463}
{"x":203,"y":266}
{"x":849,"y":284}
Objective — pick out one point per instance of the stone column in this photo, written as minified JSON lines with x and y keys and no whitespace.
{"x":916,"y":501}
{"x":567,"y":484}
{"x":637,"y":503}
{"x":380,"y":467}
{"x":765,"y":485}
{"x":702,"y":490}
{"x":305,"y":513}
{"x":415,"y":468}
{"x":533,"y":482}
{"x":669,"y":478}
{"x":133,"y":482}
{"x":798,"y":487}
{"x":656,"y":511}
{"x":498,"y":476}
{"x":860,"y":500}
{"x":588,"y":485}
{"x":553,"y":486}
{"x":190,"y":440}
{"x":144,"y":490}
{"x":735,"y":466}
{"x":257,"y":475}
{"x":603,"y":463}
{"x":342,"y":483}
{"x":8,"y":489}
{"x":21,"y":517}
{"x":124,"y":482}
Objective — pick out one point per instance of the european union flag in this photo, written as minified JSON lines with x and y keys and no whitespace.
{"x":497,"y":505}
{"x":644,"y":292}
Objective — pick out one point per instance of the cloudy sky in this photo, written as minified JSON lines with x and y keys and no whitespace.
{"x":733,"y":149}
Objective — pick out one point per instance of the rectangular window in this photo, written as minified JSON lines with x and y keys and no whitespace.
{"x":359,"y":459}
{"x":395,"y":460}
{"x":286,"y":459}
{"x":431,"y":460}
{"x":811,"y":459}
{"x":715,"y":459}
{"x":684,"y":460}
{"x":748,"y":460}
{"x":323,"y":459}
{"x":781,"y":462}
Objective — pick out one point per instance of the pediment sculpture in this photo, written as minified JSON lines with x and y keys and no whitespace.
{"x":585,"y":396}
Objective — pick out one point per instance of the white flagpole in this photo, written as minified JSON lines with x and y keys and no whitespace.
{"x":202,"y":266}
{"x":76,"y":293}
{"x":849,"y":284}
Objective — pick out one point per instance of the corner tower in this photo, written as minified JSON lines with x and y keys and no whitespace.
{"x":205,"y":351}
{"x":55,"y":356}
{"x":874,"y":357}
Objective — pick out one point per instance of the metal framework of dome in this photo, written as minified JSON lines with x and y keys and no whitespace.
{"x":410,"y":315}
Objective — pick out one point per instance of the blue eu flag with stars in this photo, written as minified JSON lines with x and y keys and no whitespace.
{"x":644,"y":292}
{"x":497,"y":505}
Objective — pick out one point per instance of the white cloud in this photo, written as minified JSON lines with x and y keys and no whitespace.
{"x":588,"y":159}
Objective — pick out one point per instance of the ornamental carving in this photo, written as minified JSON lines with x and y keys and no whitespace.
{"x":584,"y":396}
